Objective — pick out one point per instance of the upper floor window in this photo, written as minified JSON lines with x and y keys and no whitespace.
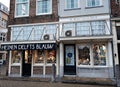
{"x":2,"y":37}
{"x":44,"y":7}
{"x":22,"y":8}
{"x":72,"y":4}
{"x":94,"y":3}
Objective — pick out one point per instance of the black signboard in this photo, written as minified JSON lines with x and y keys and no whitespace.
{"x":33,"y":46}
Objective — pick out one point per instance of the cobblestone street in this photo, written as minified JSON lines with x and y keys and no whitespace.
{"x":10,"y":83}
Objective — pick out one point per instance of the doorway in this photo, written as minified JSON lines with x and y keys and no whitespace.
{"x":27,"y":60}
{"x":69,"y":59}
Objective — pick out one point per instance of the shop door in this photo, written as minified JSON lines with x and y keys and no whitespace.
{"x":69,"y":60}
{"x":27,"y":59}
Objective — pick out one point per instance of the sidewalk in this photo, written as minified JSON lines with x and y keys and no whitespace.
{"x":10,"y":83}
{"x":88,"y":81}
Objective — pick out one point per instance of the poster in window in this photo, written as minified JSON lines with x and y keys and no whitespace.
{"x":69,"y":55}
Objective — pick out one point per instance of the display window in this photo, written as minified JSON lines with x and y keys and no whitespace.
{"x":84,"y":55}
{"x":16,"y":57}
{"x":99,"y":54}
{"x":92,"y":55}
{"x":44,"y":56}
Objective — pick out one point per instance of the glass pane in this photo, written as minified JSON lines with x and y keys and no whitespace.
{"x":83,"y":28}
{"x":84,"y":55}
{"x":99,"y":54}
{"x":16,"y":56}
{"x":39,"y":56}
{"x":50,"y":56}
{"x":43,"y":6}
{"x":98,"y":27}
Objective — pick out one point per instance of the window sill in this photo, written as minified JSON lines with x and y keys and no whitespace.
{"x":89,"y":66}
{"x":93,"y":7}
{"x":15,"y":64}
{"x":72,"y":9}
{"x":43,"y":14}
{"x":21,"y":16}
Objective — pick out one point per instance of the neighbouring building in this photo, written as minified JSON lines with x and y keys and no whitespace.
{"x":85,"y":38}
{"x":115,"y":24}
{"x":3,"y":29}
{"x":32,"y":35}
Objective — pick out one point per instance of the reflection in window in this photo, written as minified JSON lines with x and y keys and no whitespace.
{"x":22,"y":7}
{"x":16,"y":56}
{"x":48,"y":56}
{"x":99,"y":54}
{"x":84,"y":55}
{"x":39,"y":56}
{"x":93,"y":3}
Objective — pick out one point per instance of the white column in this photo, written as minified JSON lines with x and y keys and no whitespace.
{"x":109,"y":55}
{"x":115,"y":43}
{"x":61,"y":59}
{"x":9,"y":63}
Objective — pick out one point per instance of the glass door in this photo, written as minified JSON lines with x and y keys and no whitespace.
{"x":69,"y":60}
{"x":27,"y":60}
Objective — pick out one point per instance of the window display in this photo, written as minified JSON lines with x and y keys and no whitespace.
{"x":39,"y":56}
{"x":99,"y":54}
{"x":84,"y":55}
{"x":16,"y":56}
{"x":49,"y":56}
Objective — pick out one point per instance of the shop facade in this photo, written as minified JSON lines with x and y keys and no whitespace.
{"x":86,"y":47}
{"x":35,"y":54}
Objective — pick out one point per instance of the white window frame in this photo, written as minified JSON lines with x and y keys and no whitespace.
{"x":91,"y":55}
{"x":16,"y":9}
{"x":101,"y":3}
{"x":43,"y":13}
{"x":74,"y":7}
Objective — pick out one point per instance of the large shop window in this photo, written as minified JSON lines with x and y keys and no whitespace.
{"x":99,"y":54}
{"x":16,"y":57}
{"x":92,"y":55}
{"x":84,"y":55}
{"x":44,"y":56}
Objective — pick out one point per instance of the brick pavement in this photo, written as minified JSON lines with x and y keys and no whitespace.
{"x":11,"y":83}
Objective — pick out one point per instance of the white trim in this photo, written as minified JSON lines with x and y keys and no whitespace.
{"x":43,"y":13}
{"x":85,"y":18}
{"x":25,"y":42}
{"x":22,"y":15}
{"x":33,"y":24}
{"x":109,"y":37}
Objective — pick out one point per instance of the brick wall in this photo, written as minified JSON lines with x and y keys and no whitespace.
{"x":32,"y":18}
{"x":115,"y":9}
{"x":32,"y":14}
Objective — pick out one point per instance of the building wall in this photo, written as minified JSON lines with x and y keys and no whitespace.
{"x":32,"y":18}
{"x":115,"y":8}
{"x":83,"y":10}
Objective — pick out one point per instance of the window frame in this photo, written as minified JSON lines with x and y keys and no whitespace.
{"x":100,"y":4}
{"x":43,"y":13}
{"x":91,"y":55}
{"x":74,"y":6}
{"x":16,"y":9}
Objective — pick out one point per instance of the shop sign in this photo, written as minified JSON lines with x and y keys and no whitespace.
{"x":34,"y":46}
